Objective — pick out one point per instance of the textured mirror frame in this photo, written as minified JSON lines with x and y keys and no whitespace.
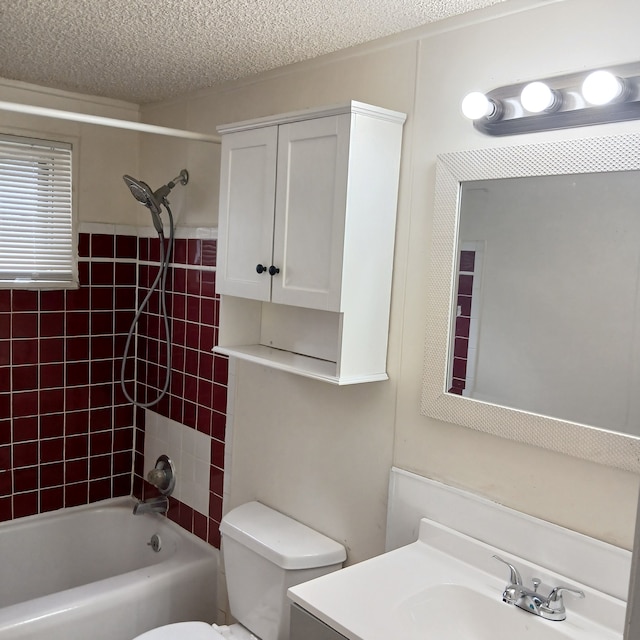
{"x":590,"y":155}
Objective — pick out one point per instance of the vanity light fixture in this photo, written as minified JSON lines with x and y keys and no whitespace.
{"x":599,"y":96}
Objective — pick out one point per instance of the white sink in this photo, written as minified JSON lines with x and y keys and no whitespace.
{"x":454,"y":611}
{"x":447,"y":586}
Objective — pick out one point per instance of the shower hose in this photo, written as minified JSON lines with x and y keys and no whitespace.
{"x":159,"y":284}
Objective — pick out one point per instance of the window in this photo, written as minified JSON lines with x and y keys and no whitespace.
{"x":36,"y":221}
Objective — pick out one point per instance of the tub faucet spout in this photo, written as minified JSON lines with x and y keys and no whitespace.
{"x":153,"y":505}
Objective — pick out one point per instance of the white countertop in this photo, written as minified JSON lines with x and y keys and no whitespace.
{"x":384,"y":598}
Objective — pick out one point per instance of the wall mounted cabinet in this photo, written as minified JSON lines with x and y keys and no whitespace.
{"x":306,"y":234}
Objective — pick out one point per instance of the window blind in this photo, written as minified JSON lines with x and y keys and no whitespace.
{"x":36,"y":221}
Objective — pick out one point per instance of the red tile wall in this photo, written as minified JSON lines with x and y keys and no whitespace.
{"x":463,"y":322}
{"x":197,"y":395}
{"x":68,"y":436}
{"x":66,"y":431}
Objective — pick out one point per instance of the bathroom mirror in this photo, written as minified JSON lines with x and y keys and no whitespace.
{"x":533,"y":326}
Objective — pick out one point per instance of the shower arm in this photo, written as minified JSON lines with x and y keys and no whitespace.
{"x":183,"y":178}
{"x":162,"y":193}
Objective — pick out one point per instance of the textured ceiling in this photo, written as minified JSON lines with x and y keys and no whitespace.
{"x":150,"y":50}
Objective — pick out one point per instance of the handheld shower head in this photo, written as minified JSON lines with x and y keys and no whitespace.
{"x":142,"y":192}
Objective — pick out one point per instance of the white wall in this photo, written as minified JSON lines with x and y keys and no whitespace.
{"x":308,"y":449}
{"x":323,"y":454}
{"x":319,"y":453}
{"x":162,"y":158}
{"x":550,"y":40}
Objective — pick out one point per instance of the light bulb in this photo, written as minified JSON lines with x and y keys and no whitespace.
{"x":537,"y":97}
{"x":602,"y":87}
{"x":476,"y":105}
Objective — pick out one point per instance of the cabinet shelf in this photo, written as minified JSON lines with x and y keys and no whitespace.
{"x":297,"y":363}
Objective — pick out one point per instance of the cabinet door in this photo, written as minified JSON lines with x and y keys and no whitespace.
{"x":311,"y":193}
{"x":245,"y":224}
{"x":304,"y":626}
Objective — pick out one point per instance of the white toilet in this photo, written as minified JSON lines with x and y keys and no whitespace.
{"x":265,"y":553}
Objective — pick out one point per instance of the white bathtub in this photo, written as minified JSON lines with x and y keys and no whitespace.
{"x":88,"y":572}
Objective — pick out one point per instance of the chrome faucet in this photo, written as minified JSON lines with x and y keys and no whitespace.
{"x":152,"y":505}
{"x":163,"y":478}
{"x":549,"y":608}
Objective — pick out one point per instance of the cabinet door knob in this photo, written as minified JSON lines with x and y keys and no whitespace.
{"x":260,"y":268}
{"x":273,"y":270}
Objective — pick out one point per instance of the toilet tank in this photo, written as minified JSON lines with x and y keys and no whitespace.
{"x":265,"y":553}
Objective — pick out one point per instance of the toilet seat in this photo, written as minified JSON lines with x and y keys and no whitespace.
{"x":197,"y":631}
{"x":182,"y":631}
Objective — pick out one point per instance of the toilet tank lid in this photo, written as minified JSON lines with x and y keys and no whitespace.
{"x":280,"y":539}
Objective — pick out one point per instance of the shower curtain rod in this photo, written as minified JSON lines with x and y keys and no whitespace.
{"x":106,"y":122}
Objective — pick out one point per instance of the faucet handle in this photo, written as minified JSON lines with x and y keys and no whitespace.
{"x":163,"y":475}
{"x":556,"y":594}
{"x":553,"y":607}
{"x":514,"y":578}
{"x":157,"y":477}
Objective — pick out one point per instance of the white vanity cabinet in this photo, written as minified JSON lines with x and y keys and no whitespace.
{"x":306,"y":235}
